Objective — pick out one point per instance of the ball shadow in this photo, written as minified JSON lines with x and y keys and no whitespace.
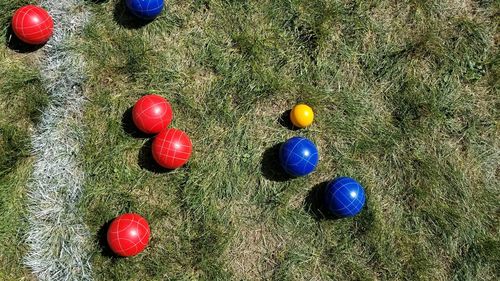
{"x":284,"y":120}
{"x":15,"y":44}
{"x":103,"y":241}
{"x":270,"y":165}
{"x":126,"y":19}
{"x":314,"y":203}
{"x":146,"y":160}
{"x":129,"y":127}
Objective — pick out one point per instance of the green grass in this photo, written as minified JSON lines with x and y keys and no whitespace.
{"x":405,"y":95}
{"x":22,"y":99}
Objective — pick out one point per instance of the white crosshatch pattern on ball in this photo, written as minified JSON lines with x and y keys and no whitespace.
{"x":147,"y":7}
{"x":169,"y":153}
{"x":40,"y":29}
{"x":346,"y":203}
{"x":115,"y":235}
{"x":145,"y":112}
{"x":303,"y":161}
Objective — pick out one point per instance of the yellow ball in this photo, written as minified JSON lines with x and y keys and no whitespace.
{"x":302,"y":115}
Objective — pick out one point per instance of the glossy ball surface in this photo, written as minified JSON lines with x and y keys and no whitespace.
{"x":302,"y":115}
{"x":172,"y":148}
{"x":344,"y":197}
{"x":128,"y":235}
{"x":32,"y":25}
{"x":145,"y":9}
{"x":298,"y":156}
{"x":152,"y":114}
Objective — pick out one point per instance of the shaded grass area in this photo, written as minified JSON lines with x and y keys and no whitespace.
{"x":22,"y":98}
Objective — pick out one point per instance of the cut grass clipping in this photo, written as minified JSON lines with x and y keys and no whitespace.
{"x":405,"y":95}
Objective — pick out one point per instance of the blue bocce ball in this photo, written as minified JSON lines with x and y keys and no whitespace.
{"x":145,"y":9}
{"x":344,"y":197}
{"x":298,"y":156}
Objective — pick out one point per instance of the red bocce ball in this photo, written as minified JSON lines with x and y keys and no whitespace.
{"x":128,"y":235}
{"x":151,"y":114}
{"x":32,"y":25}
{"x":172,"y":148}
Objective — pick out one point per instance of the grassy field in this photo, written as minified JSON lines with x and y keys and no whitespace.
{"x":406,"y":101}
{"x":22,"y":98}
